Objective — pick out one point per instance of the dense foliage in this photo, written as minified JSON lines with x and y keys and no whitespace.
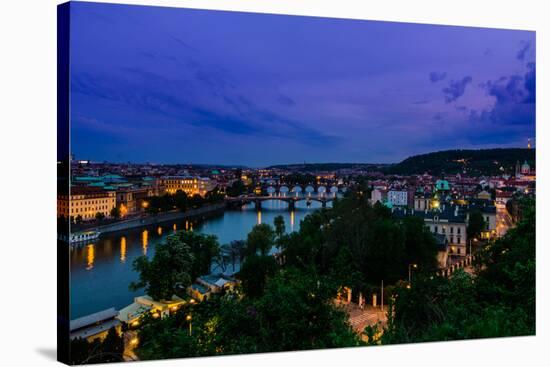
{"x":498,"y":300}
{"x":294,"y":313}
{"x":476,"y":224}
{"x":108,"y":350}
{"x":180,"y":200}
{"x":360,"y":245}
{"x":176,"y":263}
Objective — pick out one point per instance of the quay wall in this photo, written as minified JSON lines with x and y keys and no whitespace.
{"x":148,"y":220}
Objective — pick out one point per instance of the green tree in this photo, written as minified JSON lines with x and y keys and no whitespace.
{"x":112,"y":346}
{"x":498,"y":301}
{"x":181,"y":200}
{"x":169,"y":270}
{"x":260,"y":239}
{"x":297,"y":313}
{"x":204,"y":248}
{"x":108,"y":350}
{"x":420,"y":244}
{"x":115,"y":212}
{"x":214,"y":195}
{"x":476,"y":224}
{"x":279,"y":223}
{"x":254,"y":273}
{"x":236,"y":189}
{"x":507,"y":267}
{"x":99,"y":216}
{"x":233,"y":251}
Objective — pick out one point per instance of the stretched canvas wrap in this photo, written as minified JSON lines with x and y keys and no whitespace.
{"x":233,"y":183}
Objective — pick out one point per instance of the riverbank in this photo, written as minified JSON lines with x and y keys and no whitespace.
{"x":147,"y":220}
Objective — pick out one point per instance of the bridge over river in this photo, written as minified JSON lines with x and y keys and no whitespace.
{"x":291,"y":200}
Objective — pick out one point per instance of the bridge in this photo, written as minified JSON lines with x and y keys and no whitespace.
{"x":302,"y":189}
{"x":291,"y":200}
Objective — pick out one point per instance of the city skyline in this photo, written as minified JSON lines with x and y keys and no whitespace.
{"x":167,"y":85}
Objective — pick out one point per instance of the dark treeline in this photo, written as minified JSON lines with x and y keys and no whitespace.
{"x":180,"y":200}
{"x":498,"y":300}
{"x":474,"y":162}
{"x":316,"y":167}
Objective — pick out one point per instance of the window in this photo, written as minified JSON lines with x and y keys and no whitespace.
{"x":452,"y":228}
{"x":435,"y":229}
{"x":458,"y":230}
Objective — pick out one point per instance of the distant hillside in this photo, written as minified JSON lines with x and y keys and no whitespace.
{"x":473,"y":162}
{"x":318,"y":167}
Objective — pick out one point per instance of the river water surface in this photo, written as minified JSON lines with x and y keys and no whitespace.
{"x":102,"y":271}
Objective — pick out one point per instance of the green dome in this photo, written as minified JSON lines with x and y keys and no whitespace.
{"x":442,"y":185}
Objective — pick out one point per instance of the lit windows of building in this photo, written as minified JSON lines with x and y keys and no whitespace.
{"x":85,"y":202}
{"x":190,"y":185}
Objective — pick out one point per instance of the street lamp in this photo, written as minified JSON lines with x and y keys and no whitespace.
{"x":189,"y":318}
{"x":411,"y":266}
{"x":475,"y":240}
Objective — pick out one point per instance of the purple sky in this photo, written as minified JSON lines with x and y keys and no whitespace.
{"x":167,"y":85}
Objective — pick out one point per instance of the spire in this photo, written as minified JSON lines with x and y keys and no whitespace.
{"x":529,"y":143}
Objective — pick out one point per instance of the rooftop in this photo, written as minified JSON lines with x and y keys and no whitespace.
{"x":94,"y":318}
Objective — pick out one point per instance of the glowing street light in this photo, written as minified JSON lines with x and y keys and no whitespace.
{"x":189,"y":318}
{"x":411,"y":266}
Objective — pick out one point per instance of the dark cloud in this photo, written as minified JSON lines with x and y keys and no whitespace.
{"x":515,"y":99}
{"x":436,"y":76}
{"x":234,"y":114}
{"x":456,"y":89}
{"x":522,"y":53}
{"x":422,"y":101}
{"x":439,"y":116}
{"x":530,"y":85}
{"x":285,"y":100}
{"x":462,"y":108}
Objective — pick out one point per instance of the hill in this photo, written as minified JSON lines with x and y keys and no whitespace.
{"x":317,"y":167}
{"x":472,"y":162}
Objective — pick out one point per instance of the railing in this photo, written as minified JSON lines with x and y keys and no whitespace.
{"x":451,"y":268}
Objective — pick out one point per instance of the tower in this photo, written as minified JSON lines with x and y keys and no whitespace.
{"x":529,"y":143}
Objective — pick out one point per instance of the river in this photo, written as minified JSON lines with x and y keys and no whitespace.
{"x":102,"y":271}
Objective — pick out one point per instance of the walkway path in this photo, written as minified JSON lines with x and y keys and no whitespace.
{"x":368,"y":316}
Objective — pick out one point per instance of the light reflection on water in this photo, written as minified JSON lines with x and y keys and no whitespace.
{"x":100,"y":277}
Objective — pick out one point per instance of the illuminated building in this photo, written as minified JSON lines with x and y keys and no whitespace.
{"x":132,"y":200}
{"x":142,"y":305}
{"x":85,"y":202}
{"x":446,"y":220}
{"x":398,"y":197}
{"x":95,"y":326}
{"x":207,"y":285}
{"x":525,"y":168}
{"x":190,"y":185}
